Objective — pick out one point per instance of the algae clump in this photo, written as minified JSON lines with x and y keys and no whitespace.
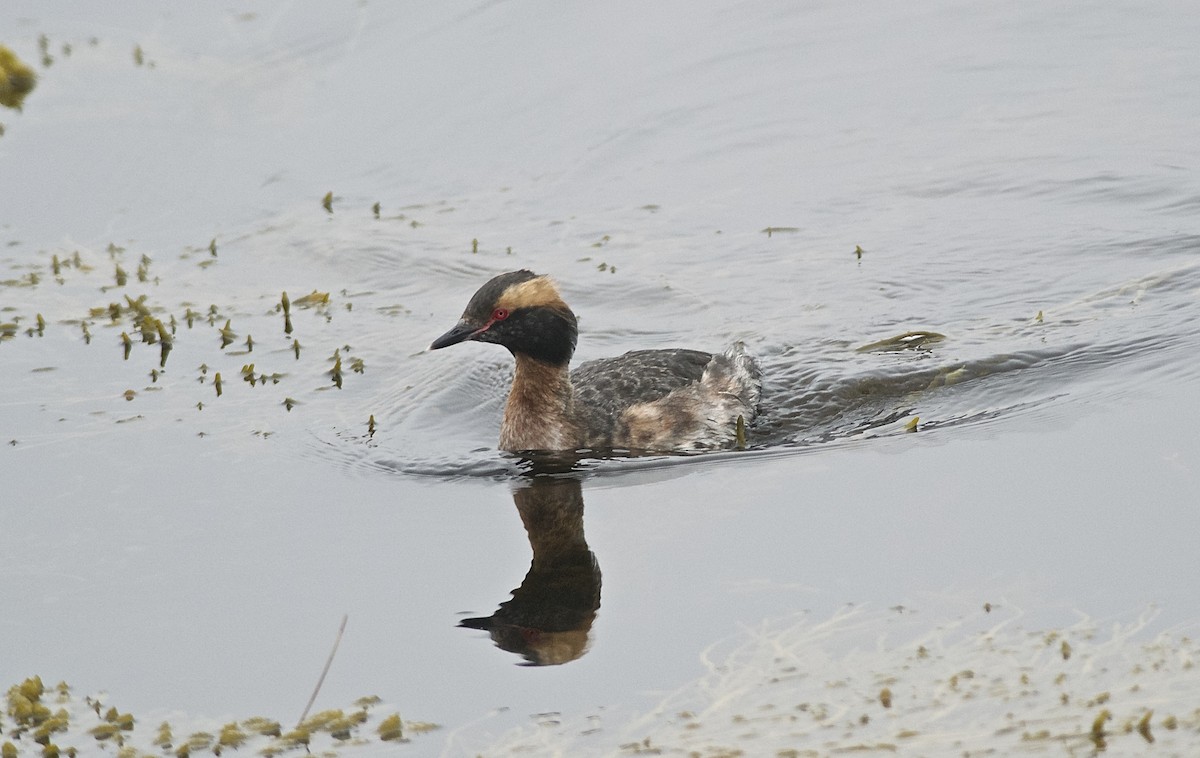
{"x":16,"y":79}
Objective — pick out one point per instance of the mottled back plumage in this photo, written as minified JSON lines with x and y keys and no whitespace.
{"x":606,"y":387}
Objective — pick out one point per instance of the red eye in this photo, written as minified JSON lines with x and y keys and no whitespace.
{"x":499,"y":314}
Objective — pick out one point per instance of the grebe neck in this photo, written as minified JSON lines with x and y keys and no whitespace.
{"x":539,"y":414}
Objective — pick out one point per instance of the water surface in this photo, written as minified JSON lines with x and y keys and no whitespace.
{"x":1021,"y":182}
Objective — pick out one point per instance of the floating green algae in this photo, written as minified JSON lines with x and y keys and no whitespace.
{"x":906,"y":341}
{"x":772,"y":230}
{"x":141,"y":315}
{"x":391,"y":729}
{"x":16,"y":79}
{"x":312,"y":300}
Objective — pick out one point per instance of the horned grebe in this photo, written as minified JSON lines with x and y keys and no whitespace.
{"x":644,"y":400}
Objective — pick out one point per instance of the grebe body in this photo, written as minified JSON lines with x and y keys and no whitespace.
{"x":644,"y":400}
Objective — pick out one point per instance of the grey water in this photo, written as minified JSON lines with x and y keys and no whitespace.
{"x":1020,"y":181}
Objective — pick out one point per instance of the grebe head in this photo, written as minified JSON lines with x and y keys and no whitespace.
{"x":521,"y":311}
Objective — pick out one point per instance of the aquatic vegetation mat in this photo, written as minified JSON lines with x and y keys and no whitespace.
{"x":54,"y":721}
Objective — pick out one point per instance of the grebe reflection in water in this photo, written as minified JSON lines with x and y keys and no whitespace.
{"x":549,"y":618}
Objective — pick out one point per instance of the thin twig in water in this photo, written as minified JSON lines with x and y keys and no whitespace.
{"x":324,"y":671}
